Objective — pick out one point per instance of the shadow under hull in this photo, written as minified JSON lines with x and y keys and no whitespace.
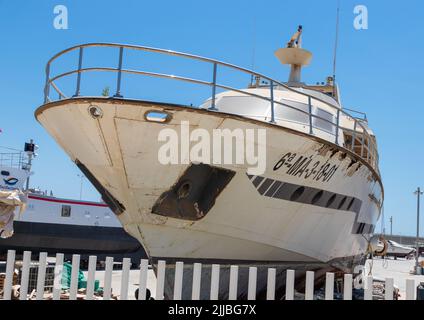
{"x":72,"y":239}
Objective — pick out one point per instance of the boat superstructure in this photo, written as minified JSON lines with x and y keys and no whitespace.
{"x":15,"y":170}
{"x":313,"y":205}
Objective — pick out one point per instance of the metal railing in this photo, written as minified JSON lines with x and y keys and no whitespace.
{"x":362,"y":143}
{"x":13,"y":159}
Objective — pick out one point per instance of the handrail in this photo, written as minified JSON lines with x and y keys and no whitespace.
{"x":368,"y":145}
{"x":187,"y":55}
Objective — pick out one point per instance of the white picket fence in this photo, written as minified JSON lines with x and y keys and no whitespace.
{"x":178,"y":284}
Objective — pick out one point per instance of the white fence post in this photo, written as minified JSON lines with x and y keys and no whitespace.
{"x":232,"y":294}
{"x":144,"y":269}
{"x":347,"y":290}
{"x":197,"y":273}
{"x":41,"y":275}
{"x":270,"y":287}
{"x":410,"y":289}
{"x":329,"y":286}
{"x":107,"y":282}
{"x":388,"y":290}
{"x":309,"y":289}
{"x":215,"y":282}
{"x":126,"y":264}
{"x":160,"y":282}
{"x":368,"y":288}
{"x":290,"y":285}
{"x":10,"y":270}
{"x":23,"y":291}
{"x":58,"y":271}
{"x":91,"y":277}
{"x":74,"y":277}
{"x":178,"y":280}
{"x":253,"y":274}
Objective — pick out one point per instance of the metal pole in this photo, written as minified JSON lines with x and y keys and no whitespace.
{"x":272,"y":102}
{"x":77,"y":91}
{"x":363,"y":143}
{"x":30,"y":155}
{"x":337,"y":126}
{"x":354,"y":136}
{"x":213,"y":88}
{"x":47,"y":86}
{"x":417,"y":254}
{"x":118,"y":83}
{"x":82,"y":177}
{"x":310,"y":115}
{"x":391,"y":226}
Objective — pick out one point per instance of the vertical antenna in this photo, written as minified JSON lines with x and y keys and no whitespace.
{"x":253,"y":49}
{"x":336,"y":43}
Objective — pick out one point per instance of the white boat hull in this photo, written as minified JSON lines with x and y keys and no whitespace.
{"x":245,"y":224}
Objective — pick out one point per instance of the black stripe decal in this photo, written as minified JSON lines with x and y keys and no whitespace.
{"x":257,"y":181}
{"x":265,"y":186}
{"x":273,"y":189}
{"x":316,"y":197}
{"x":303,"y":194}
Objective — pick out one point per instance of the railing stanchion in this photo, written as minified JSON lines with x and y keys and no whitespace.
{"x":77,"y":91}
{"x":272,"y":102}
{"x":354,"y":135}
{"x":363,"y":142}
{"x":310,"y":115}
{"x":213,"y":108}
{"x":369,"y":148}
{"x":118,"y":82}
{"x":337,"y":126}
{"x":47,"y":85}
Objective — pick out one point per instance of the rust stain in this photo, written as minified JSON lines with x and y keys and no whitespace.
{"x":342,"y":156}
{"x":324,"y":149}
{"x":352,"y":168}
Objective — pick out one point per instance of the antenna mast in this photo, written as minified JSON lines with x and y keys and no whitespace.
{"x":336,"y":43}
{"x":252,"y":77}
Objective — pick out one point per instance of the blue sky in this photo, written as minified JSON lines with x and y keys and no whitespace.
{"x":379,"y":69}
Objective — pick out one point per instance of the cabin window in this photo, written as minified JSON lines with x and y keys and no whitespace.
{"x":325,"y":121}
{"x":66,"y":211}
{"x":292,"y":111}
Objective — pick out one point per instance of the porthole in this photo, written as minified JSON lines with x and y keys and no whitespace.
{"x":317,"y":197}
{"x":331,"y":200}
{"x":157,"y":116}
{"x":297,"y":194}
{"x":95,"y":112}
